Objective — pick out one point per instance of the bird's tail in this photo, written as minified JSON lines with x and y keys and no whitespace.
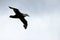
{"x":13,"y":16}
{"x":25,"y":26}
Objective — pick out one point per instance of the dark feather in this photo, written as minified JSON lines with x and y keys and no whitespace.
{"x":19,"y":15}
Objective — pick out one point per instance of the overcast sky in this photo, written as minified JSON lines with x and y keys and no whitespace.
{"x":43,"y":23}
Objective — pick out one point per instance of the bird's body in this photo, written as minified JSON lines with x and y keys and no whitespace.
{"x":20,"y":16}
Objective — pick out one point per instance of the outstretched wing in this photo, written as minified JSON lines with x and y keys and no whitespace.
{"x":16,"y":10}
{"x":24,"y":22}
{"x":20,"y":16}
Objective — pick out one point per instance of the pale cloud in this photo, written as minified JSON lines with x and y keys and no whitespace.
{"x":43,"y":23}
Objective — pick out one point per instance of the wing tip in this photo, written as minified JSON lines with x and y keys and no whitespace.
{"x":25,"y":26}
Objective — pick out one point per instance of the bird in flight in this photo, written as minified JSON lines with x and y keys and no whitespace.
{"x":20,"y":16}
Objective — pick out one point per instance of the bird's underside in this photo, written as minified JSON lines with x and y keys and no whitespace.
{"x":19,"y":15}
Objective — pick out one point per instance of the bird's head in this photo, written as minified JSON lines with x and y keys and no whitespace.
{"x":25,"y":15}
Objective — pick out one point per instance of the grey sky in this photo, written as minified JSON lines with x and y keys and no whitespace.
{"x":44,"y":20}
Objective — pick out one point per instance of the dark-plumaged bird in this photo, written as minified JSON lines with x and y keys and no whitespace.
{"x":19,"y":15}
